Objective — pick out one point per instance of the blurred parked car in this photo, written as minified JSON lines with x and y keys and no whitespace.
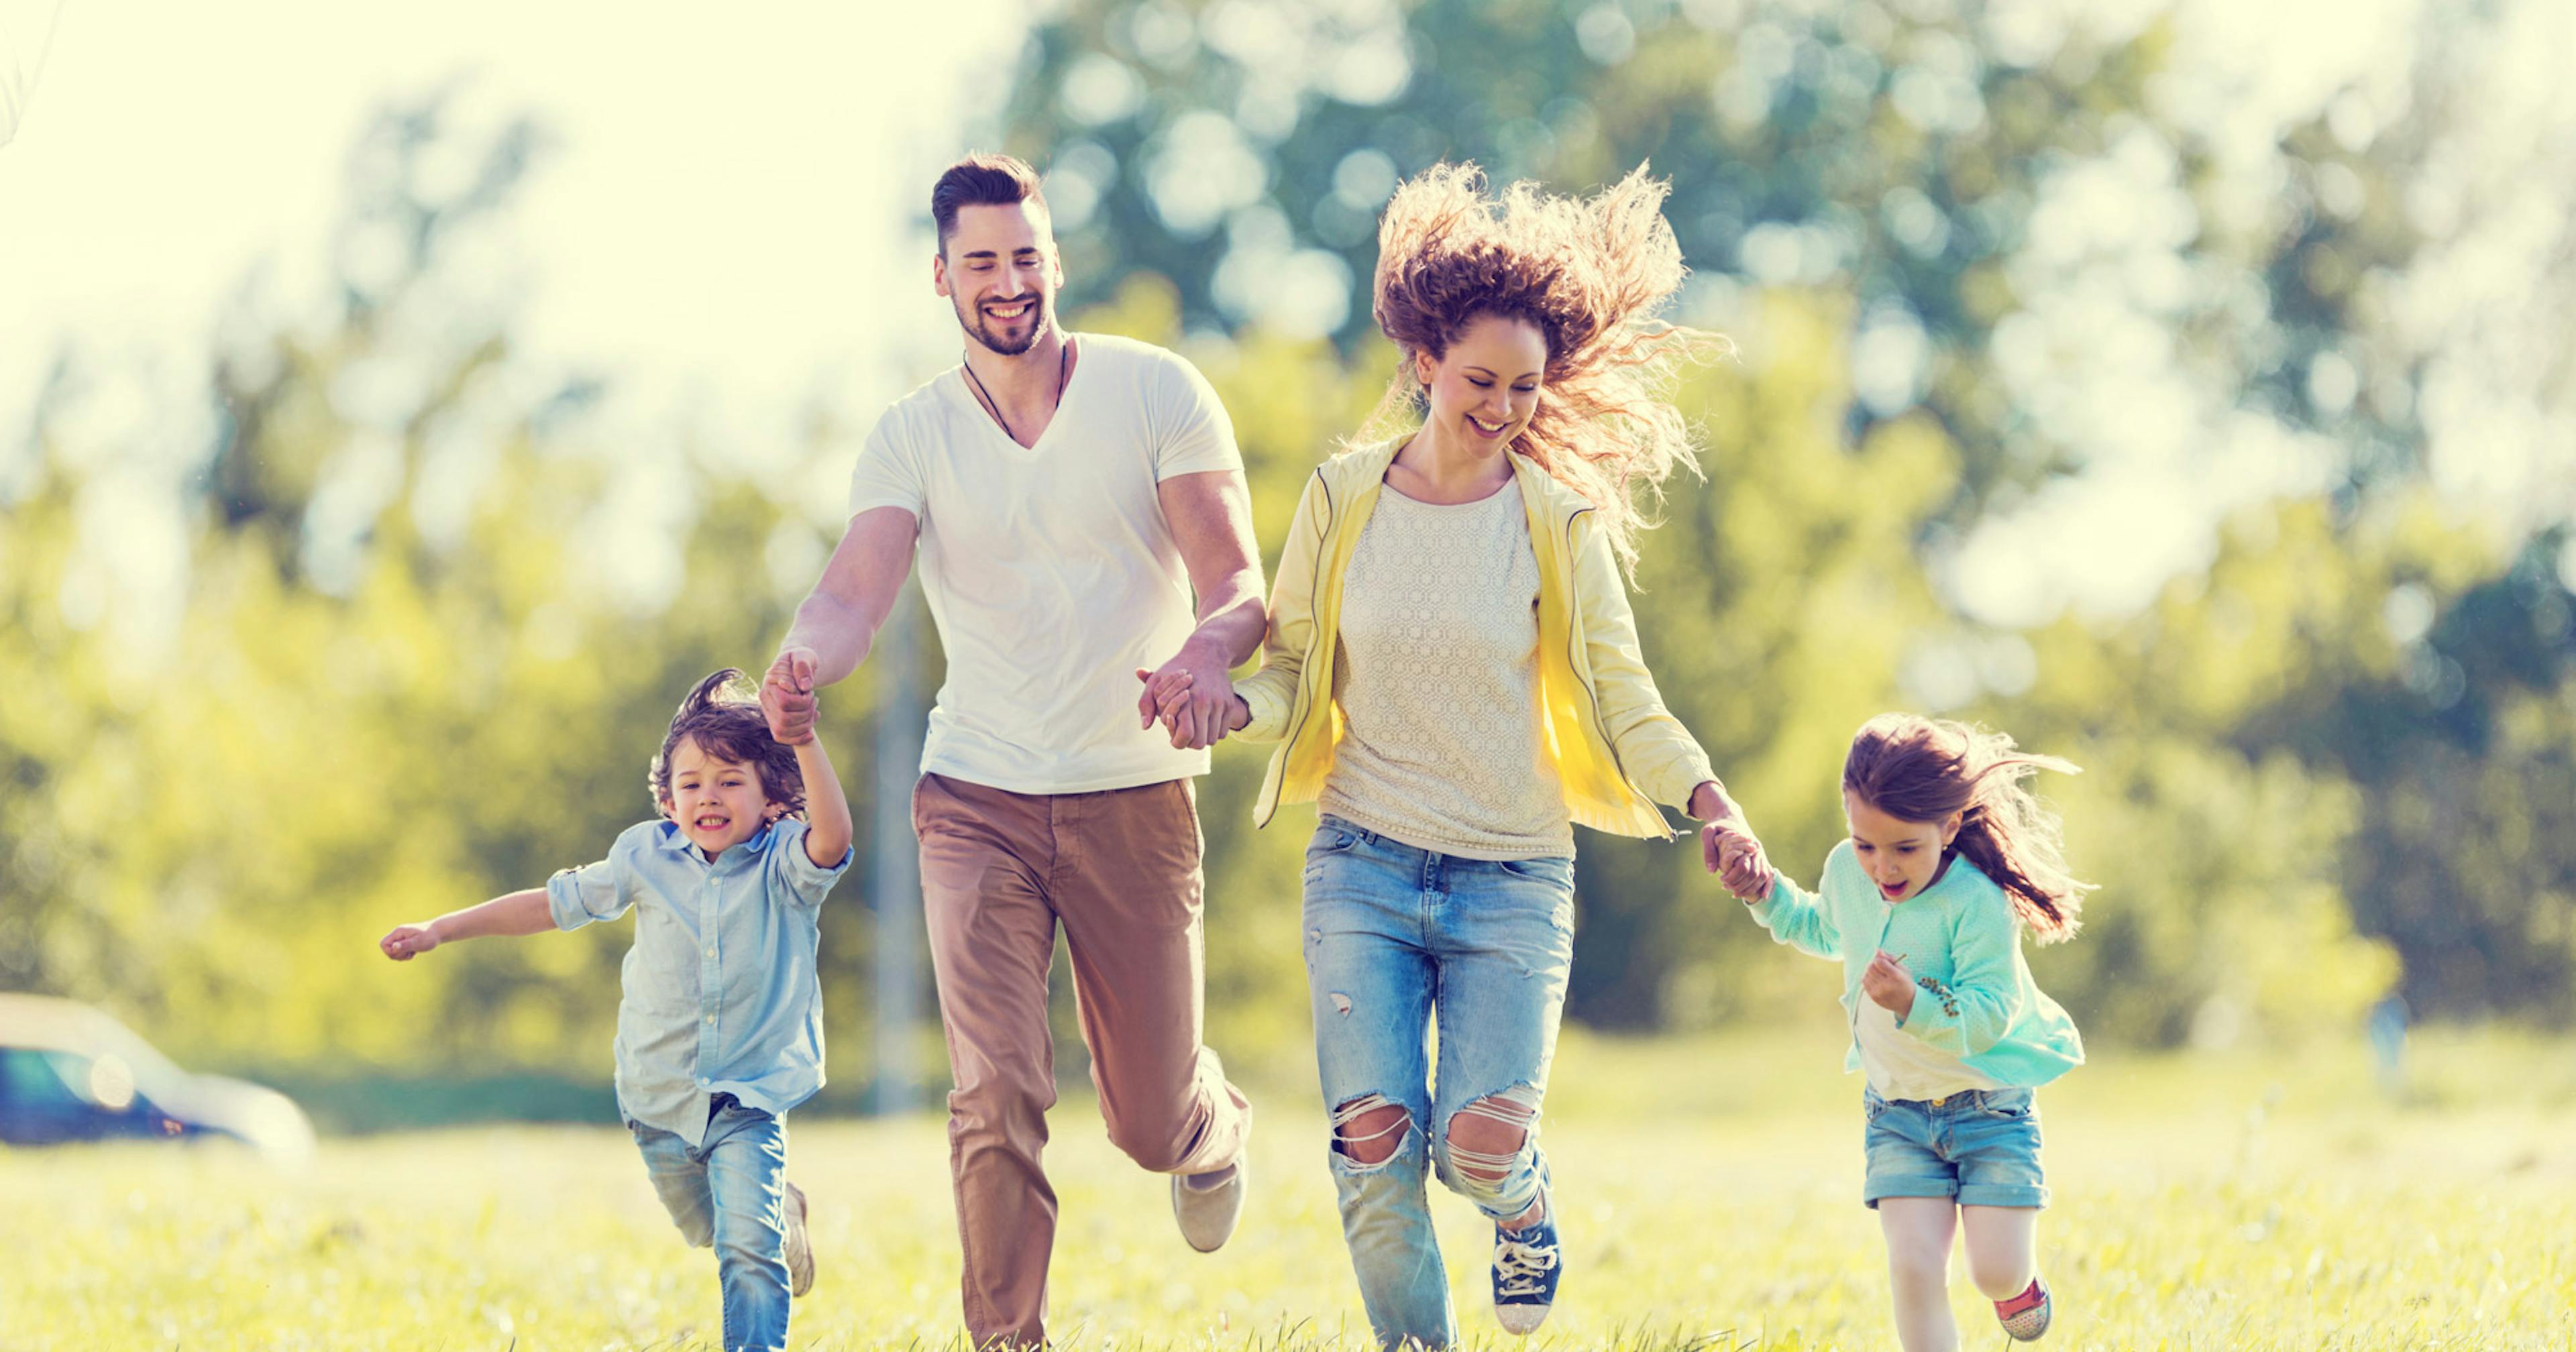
{"x":68,"y":1072}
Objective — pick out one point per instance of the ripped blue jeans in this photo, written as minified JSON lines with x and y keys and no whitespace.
{"x":1396,"y":936}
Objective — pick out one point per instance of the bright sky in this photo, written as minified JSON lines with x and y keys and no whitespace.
{"x":721,"y":225}
{"x":2093,"y":358}
{"x":724,"y":210}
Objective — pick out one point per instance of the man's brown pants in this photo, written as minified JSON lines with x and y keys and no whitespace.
{"x":1119,"y":870}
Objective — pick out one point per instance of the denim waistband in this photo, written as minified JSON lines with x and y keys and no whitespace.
{"x":1384,"y":841}
{"x":1366,"y":835}
{"x":1965,"y":1098}
{"x":1434,"y":867}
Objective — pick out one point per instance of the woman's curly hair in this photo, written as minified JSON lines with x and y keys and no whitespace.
{"x":1590,"y":274}
{"x":724,"y":719}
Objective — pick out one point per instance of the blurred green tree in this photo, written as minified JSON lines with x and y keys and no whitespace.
{"x":431,"y":630}
{"x":1913,"y":218}
{"x":434,"y":609}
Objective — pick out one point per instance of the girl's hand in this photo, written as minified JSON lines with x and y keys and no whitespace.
{"x":1886,"y":981}
{"x":403,"y":941}
{"x":1729,"y":850}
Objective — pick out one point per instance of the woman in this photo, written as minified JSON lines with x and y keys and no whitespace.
{"x":1452,"y":671}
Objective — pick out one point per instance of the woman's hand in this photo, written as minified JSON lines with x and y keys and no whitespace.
{"x":1887,"y":982}
{"x":1726,"y":844}
{"x":1192,"y":718}
{"x":1730,"y":851}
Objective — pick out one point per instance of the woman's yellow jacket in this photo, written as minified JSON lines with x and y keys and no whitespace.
{"x":1617,"y":751}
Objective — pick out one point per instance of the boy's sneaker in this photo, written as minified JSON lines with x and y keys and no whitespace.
{"x":1207,"y":1214}
{"x":800,"y":1250}
{"x":2025,"y":1316}
{"x":1527,"y":1263}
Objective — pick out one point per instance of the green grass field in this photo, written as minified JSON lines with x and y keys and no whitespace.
{"x":1708,"y":1191}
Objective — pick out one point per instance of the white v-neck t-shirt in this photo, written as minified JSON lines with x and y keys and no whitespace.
{"x":1050,"y":570}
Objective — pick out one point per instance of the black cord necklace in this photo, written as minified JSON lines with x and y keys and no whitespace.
{"x":1063,"y":354}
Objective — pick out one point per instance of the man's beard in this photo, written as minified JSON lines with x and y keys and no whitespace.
{"x":972,"y":319}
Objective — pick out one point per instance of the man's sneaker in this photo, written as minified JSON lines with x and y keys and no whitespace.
{"x":800,"y":1250}
{"x":2025,"y":1316}
{"x":1207,"y":1214}
{"x":1527,"y":1263}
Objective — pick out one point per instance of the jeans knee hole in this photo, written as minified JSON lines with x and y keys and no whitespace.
{"x":1368,"y":1125}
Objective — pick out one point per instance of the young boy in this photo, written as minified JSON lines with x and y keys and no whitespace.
{"x":720,"y":1032}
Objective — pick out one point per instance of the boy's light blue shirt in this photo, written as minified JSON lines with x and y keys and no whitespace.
{"x":1975,"y":998}
{"x":721,"y":996}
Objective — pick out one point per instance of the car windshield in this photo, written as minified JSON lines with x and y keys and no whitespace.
{"x":40,"y":1079}
{"x":153,"y":1071}
{"x":77,"y":1036}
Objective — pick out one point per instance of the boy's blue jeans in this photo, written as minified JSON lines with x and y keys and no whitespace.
{"x":730,"y":1192}
{"x":1394,"y":936}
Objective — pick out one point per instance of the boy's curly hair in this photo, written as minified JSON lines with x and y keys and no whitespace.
{"x":725,"y":720}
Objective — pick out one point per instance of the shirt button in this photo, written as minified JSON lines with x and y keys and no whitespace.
{"x":711,"y":1018}
{"x":702,"y":1082}
{"x":711,"y":952}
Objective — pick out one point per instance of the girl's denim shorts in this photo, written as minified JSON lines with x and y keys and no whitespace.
{"x":1980,"y":1146}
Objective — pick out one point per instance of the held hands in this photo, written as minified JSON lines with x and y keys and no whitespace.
{"x":1727,"y":845}
{"x":404,"y":942}
{"x":1886,"y":981}
{"x":1730,"y":851}
{"x":787,"y":696}
{"x":1193,"y":698}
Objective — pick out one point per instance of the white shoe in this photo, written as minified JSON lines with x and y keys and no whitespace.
{"x":800,"y":1250}
{"x":1207,"y":1215}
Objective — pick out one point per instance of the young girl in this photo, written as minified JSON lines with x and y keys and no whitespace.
{"x":1950,"y":858}
{"x":721,"y":1029}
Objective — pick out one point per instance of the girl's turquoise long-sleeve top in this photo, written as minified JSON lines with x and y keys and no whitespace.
{"x":1975,"y":998}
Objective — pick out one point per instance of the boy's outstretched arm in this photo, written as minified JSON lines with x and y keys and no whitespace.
{"x":512,"y":913}
{"x":827,"y":808}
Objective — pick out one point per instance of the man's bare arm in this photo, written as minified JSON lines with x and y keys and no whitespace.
{"x":1210,"y":515}
{"x":837,"y":622}
{"x":1211,"y":520}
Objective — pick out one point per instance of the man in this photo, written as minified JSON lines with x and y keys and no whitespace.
{"x":1068,"y":494}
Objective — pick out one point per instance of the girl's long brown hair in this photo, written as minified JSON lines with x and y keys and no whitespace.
{"x":1923,"y":769}
{"x":1590,"y":274}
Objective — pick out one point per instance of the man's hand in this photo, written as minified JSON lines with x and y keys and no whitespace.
{"x":787,"y":696}
{"x":1886,"y":981}
{"x":403,"y":942}
{"x":1192,"y":697}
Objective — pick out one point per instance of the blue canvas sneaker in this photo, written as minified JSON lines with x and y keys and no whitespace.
{"x":1527,"y":1264}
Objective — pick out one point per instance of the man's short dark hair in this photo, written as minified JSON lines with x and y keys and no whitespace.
{"x":981,"y":180}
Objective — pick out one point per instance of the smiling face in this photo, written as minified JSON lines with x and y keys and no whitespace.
{"x":717,"y":803}
{"x":1902,"y":857}
{"x":1485,"y":387}
{"x":999,"y":268}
